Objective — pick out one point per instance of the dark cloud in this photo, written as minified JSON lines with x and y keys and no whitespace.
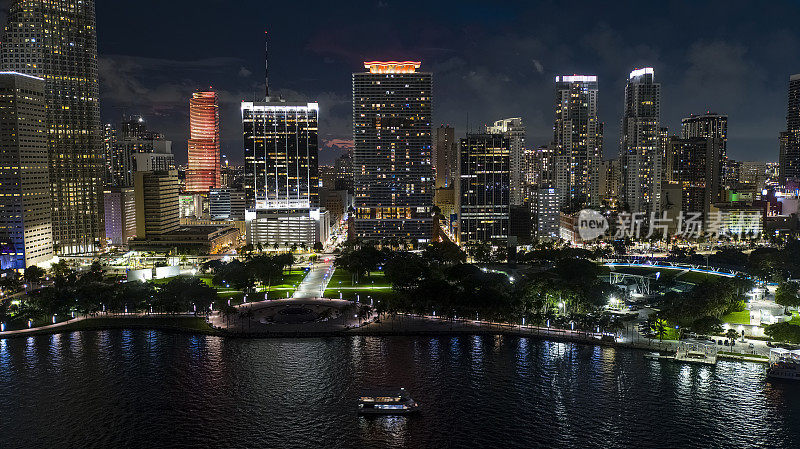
{"x":489,"y":60}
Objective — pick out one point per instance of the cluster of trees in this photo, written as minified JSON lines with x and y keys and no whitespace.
{"x":787,"y":332}
{"x":90,"y":292}
{"x":436,"y":281}
{"x":361,"y":259}
{"x":260,"y":247}
{"x":701,"y":308}
{"x":262,"y":269}
{"x":776,"y":264}
{"x":787,"y":294}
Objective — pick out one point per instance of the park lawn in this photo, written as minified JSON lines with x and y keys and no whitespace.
{"x":694,"y":277}
{"x":742,"y":317}
{"x":287,"y":282}
{"x":375,"y":278}
{"x":208,"y":280}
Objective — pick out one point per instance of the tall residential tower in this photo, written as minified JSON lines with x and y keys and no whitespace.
{"x":393,"y":178}
{"x":577,"y":140}
{"x":790,"y":139}
{"x":640,"y":160}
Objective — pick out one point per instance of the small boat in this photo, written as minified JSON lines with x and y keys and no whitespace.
{"x":386,"y":402}
{"x":784,"y":364}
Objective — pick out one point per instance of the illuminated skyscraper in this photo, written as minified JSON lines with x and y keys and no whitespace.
{"x":281,"y":154}
{"x":25,"y":228}
{"x":203,"y":172}
{"x":484,"y":188}
{"x":640,"y":160}
{"x":577,"y":140}
{"x":393,"y":178}
{"x":281,"y":182}
{"x":514,"y":130}
{"x":57,"y":40}
{"x":790,"y":140}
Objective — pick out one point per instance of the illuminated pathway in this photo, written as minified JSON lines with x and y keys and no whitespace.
{"x":315,"y":282}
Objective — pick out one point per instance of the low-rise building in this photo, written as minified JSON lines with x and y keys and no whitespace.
{"x":286,"y":227}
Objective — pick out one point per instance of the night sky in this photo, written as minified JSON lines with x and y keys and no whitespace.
{"x":489,"y":60}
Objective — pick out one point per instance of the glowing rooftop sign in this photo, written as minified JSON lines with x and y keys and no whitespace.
{"x":392,"y":66}
{"x":576,"y":79}
{"x":639,"y":72}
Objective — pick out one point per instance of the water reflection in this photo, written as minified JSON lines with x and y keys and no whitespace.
{"x":475,"y":392}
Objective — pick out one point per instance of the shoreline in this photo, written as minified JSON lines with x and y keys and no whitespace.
{"x":198,"y":326}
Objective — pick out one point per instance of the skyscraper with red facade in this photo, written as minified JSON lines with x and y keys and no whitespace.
{"x":204,"y":168}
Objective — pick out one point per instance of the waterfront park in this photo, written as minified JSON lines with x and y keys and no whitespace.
{"x":553,"y":292}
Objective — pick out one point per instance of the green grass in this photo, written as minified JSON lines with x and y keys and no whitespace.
{"x":375,"y":278}
{"x":208,"y":280}
{"x":742,"y":317}
{"x":374,"y":285}
{"x":287,"y":282}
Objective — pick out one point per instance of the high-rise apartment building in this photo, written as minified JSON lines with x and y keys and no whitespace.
{"x":709,"y":125}
{"x":753,"y":173}
{"x":706,"y":125}
{"x":445,"y":156}
{"x":577,"y":140}
{"x":392,"y":172}
{"x":203,"y":172}
{"x":26,"y":236}
{"x":57,"y":40}
{"x":697,"y":168}
{"x":640,"y":161}
{"x":484,"y":188}
{"x":514,"y":130}
{"x":790,"y":139}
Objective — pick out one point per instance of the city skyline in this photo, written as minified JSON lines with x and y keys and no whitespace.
{"x":705,"y":69}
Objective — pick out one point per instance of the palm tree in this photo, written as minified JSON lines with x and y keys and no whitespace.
{"x":731,"y":335}
{"x":660,"y":328}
